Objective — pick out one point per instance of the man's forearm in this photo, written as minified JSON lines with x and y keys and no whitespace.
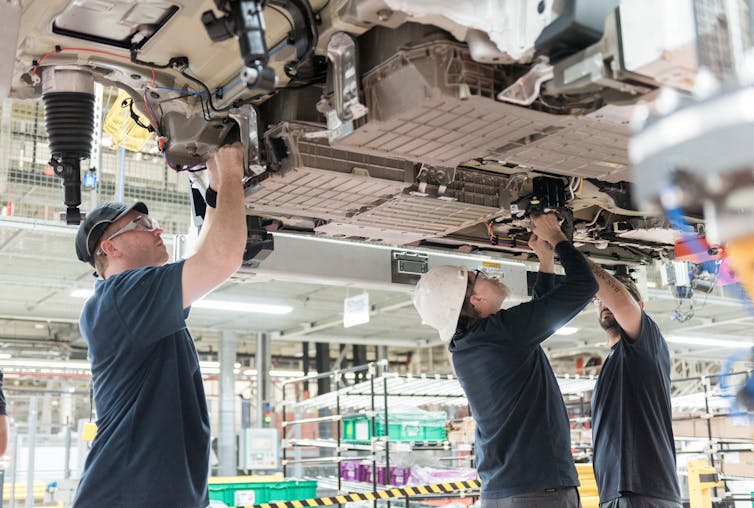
{"x":547,"y":264}
{"x":608,"y":284}
{"x":209,"y":214}
{"x":224,"y":230}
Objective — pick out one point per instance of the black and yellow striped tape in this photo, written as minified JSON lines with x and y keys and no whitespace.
{"x":437,"y":488}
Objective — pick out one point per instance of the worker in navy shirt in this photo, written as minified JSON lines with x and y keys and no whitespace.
{"x":522,"y":443}
{"x":153,"y":436}
{"x":632,"y":434}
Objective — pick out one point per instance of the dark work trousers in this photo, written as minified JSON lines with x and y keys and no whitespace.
{"x":567,"y":497}
{"x":636,"y":501}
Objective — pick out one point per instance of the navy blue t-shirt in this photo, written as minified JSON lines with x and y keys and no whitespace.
{"x":153,"y":437}
{"x":523,"y":440}
{"x":632,"y":430}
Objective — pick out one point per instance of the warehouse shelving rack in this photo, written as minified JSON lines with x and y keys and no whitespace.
{"x":380,"y":393}
{"x":704,"y":399}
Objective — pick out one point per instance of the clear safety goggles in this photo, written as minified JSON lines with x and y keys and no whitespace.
{"x":140,"y":223}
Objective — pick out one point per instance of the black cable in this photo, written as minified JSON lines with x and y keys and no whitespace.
{"x":323,"y":7}
{"x":206,"y":89}
{"x":205,"y":111}
{"x":301,"y":11}
{"x":129,"y":103}
{"x":282,"y":13}
{"x":178,"y":61}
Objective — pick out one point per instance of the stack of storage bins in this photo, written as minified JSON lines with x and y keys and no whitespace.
{"x":403,"y":426}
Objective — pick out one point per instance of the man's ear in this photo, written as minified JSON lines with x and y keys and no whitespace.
{"x":641,"y":304}
{"x":474,"y":300}
{"x":108,"y":248}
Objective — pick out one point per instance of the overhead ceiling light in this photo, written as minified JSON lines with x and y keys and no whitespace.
{"x":5,"y":356}
{"x":45,"y":364}
{"x":276,"y":373}
{"x":258,"y":308}
{"x":705,"y":341}
{"x":566,"y":330}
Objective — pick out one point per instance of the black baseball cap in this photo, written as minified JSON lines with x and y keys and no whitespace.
{"x":96,"y":222}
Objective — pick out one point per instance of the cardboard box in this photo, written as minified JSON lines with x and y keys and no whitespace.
{"x":737,"y":464}
{"x":722,"y":427}
{"x":461,"y":431}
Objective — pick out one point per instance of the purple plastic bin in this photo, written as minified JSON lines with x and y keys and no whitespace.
{"x":349,"y":470}
{"x":381,"y":469}
{"x":399,"y":475}
{"x":365,"y":471}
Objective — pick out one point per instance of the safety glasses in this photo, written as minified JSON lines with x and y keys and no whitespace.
{"x":140,"y":223}
{"x":470,"y":287}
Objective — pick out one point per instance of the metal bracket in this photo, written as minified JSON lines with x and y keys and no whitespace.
{"x":341,"y":51}
{"x":246,"y":117}
{"x":526,"y":88}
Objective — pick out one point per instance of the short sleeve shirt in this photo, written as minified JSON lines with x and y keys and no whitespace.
{"x":632,"y":431}
{"x":153,"y":437}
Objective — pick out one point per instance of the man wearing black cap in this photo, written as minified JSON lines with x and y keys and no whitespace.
{"x":153,"y":436}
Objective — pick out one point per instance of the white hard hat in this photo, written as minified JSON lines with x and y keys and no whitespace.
{"x":439,"y":296}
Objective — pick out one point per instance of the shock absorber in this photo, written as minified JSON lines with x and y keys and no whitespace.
{"x":68,"y":94}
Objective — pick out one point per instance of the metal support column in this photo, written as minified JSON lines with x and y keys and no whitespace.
{"x":305,"y":367}
{"x":14,"y":470}
{"x":359,"y":358}
{"x":322,"y":362}
{"x":45,"y":420}
{"x":32,"y":445}
{"x":264,"y":385}
{"x":381,"y":353}
{"x":227,"y":436}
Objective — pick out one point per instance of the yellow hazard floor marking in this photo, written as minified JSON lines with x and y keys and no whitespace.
{"x":437,"y":488}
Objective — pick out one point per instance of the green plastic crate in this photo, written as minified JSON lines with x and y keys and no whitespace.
{"x":243,"y":493}
{"x":402,"y":426}
{"x":413,"y":426}
{"x":357,"y":428}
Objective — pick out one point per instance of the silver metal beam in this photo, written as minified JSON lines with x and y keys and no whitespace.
{"x":335,"y":262}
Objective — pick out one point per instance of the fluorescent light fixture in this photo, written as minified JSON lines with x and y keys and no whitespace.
{"x":46,"y":364}
{"x":276,"y":373}
{"x":705,"y":341}
{"x":566,"y":330}
{"x":5,"y":356}
{"x":651,"y":284}
{"x":82,"y":293}
{"x":258,"y":308}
